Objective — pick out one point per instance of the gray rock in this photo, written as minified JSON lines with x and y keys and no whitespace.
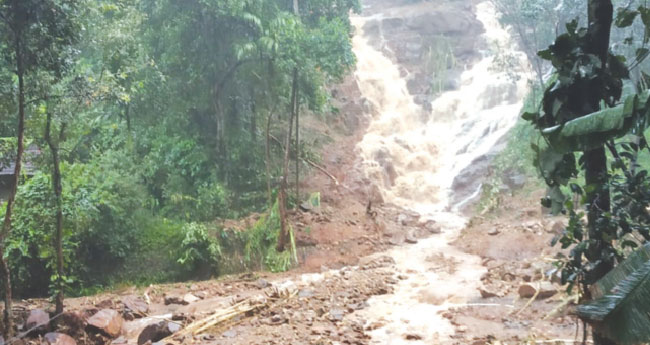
{"x":37,"y":320}
{"x":410,"y":238}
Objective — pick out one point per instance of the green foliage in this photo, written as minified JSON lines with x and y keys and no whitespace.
{"x":159,"y":106}
{"x":199,"y":250}
{"x":566,"y":130}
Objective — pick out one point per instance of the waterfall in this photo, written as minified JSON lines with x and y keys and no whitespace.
{"x":413,"y":159}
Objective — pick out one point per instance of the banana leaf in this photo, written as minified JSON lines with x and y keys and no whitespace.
{"x":620,"y":309}
{"x":595,"y":129}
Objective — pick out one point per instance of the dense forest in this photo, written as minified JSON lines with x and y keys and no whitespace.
{"x":132,"y":130}
{"x":140,"y":123}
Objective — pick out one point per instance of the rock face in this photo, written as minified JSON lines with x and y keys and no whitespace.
{"x":37,"y":320}
{"x":409,"y":32}
{"x":106,"y":321}
{"x":58,"y":339}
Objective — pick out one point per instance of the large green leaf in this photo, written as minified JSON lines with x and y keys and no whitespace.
{"x":621,"y":308}
{"x":595,"y":129}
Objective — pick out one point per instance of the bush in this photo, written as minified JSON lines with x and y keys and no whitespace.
{"x":200,"y":252}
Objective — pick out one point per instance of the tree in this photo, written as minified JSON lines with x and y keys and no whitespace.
{"x":581,"y":112}
{"x":40,"y":32}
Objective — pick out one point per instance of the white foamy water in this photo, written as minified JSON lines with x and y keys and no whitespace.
{"x":414,"y":162}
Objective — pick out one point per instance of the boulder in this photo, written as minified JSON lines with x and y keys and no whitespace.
{"x":158,"y":331}
{"x":528,"y":290}
{"x":190,"y":298}
{"x":410,"y":238}
{"x":106,"y":321}
{"x":37,"y":321}
{"x":73,"y":323}
{"x":488,"y":293}
{"x":135,"y":305}
{"x":432,"y":226}
{"x":174,"y":299}
{"x":58,"y":339}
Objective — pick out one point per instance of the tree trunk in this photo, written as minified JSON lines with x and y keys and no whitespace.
{"x":297,"y":112}
{"x":6,"y":226}
{"x":56,"y":185}
{"x":600,"y":21}
{"x":284,"y":231}
{"x":268,"y":160}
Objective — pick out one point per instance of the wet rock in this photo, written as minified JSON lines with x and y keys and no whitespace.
{"x":262,"y":283}
{"x":432,"y":226}
{"x":190,"y":298}
{"x":408,"y":219}
{"x":487,"y":293}
{"x":173,"y":327}
{"x":184,"y":300}
{"x":37,"y":321}
{"x":305,"y":293}
{"x":73,"y":323}
{"x":155,"y":332}
{"x":557,"y":227}
{"x":528,"y":290}
{"x":412,"y":336}
{"x":173,"y":299}
{"x":58,"y":339}
{"x":336,"y":315}
{"x":493,"y":232}
{"x":306,"y":206}
{"x":514,"y":180}
{"x":229,"y":333}
{"x":105,"y":304}
{"x":121,"y":340}
{"x":410,"y":238}
{"x":107,"y":322}
{"x":135,"y":305}
{"x":179,"y":317}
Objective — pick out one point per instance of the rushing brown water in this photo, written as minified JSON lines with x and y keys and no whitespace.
{"x":413,"y":159}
